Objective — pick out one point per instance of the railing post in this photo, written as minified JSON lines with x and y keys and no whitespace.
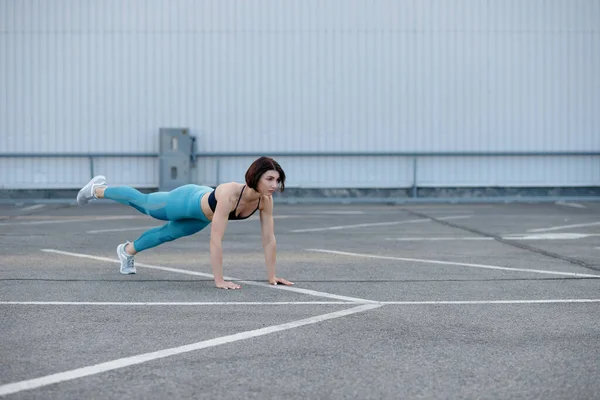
{"x":91,"y":166}
{"x":218,"y":171}
{"x":414,"y":186}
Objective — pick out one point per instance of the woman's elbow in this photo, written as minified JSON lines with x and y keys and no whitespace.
{"x":216,"y":240}
{"x":269,"y":240}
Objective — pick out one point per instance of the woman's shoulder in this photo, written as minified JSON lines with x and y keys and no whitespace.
{"x":228,"y":189}
{"x":229,"y":186}
{"x":231,"y":183}
{"x":265,"y":201}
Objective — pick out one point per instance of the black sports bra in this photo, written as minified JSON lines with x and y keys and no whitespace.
{"x":212,"y":203}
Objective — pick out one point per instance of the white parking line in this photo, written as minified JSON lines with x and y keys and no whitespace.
{"x":257,"y":217}
{"x":557,"y":228}
{"x":138,"y":228}
{"x":410,"y":239}
{"x":575,"y":205}
{"x":187,"y":272}
{"x":538,"y":271}
{"x":65,"y":221}
{"x":454,"y":217}
{"x":542,"y":236}
{"x":333,"y":228}
{"x":332,"y":212}
{"x":34,"y":207}
{"x":444,"y":302}
{"x":174,"y":303}
{"x":551,"y":236}
{"x":411,"y":221}
{"x":293,"y":303}
{"x":142,"y":358}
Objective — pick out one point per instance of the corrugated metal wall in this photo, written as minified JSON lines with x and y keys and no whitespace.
{"x":303,"y":75}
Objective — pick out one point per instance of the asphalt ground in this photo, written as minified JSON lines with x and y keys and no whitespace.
{"x":426,"y":301}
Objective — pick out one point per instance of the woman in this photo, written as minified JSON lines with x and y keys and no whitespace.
{"x":190,"y":208}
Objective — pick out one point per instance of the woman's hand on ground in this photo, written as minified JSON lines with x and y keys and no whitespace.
{"x":227,"y":285}
{"x":276,"y":281}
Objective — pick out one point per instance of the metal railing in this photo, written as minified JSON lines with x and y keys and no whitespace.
{"x":89,"y":156}
{"x":414,"y":155}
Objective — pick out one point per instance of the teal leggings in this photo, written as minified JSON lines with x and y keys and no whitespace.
{"x":181,"y":207}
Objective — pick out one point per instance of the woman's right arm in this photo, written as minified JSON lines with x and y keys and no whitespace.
{"x":219,"y":224}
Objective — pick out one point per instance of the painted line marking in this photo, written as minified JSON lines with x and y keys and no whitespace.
{"x":557,"y":228}
{"x":542,"y":236}
{"x":445,"y":302}
{"x":34,"y":207}
{"x":337,"y":212}
{"x":142,"y":358}
{"x":538,"y":271}
{"x":333,"y":228}
{"x":551,"y":236}
{"x":194,"y":273}
{"x":257,"y":218}
{"x":277,"y":303}
{"x":441,"y":238}
{"x":122,"y":229}
{"x":174,"y":303}
{"x":64,"y":221}
{"x":411,"y":221}
{"x":548,"y":236}
{"x":575,"y":205}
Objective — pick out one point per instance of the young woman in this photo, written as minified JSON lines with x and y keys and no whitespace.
{"x":190,"y":208}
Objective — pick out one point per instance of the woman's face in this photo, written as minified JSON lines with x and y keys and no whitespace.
{"x":268,"y":183}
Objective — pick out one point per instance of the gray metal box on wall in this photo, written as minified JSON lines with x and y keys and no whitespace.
{"x":177,"y":151}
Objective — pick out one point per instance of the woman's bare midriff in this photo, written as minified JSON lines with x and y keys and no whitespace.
{"x":205,"y":207}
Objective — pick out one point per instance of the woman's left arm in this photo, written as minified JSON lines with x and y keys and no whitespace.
{"x":268,"y":241}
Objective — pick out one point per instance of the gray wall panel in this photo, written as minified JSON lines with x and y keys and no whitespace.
{"x":266,"y":76}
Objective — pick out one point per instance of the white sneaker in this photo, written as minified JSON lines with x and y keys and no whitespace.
{"x":87,"y":192}
{"x":127,"y":264}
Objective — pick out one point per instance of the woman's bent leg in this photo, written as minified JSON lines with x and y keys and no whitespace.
{"x":156,"y":236}
{"x":168,"y":232}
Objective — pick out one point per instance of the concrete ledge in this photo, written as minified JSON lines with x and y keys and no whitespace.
{"x":440,"y":192}
{"x":45,"y":194}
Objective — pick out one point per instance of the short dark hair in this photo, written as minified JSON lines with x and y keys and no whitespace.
{"x":259,"y":167}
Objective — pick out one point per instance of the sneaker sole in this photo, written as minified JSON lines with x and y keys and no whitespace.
{"x":97,"y":180}
{"x":127,"y":273}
